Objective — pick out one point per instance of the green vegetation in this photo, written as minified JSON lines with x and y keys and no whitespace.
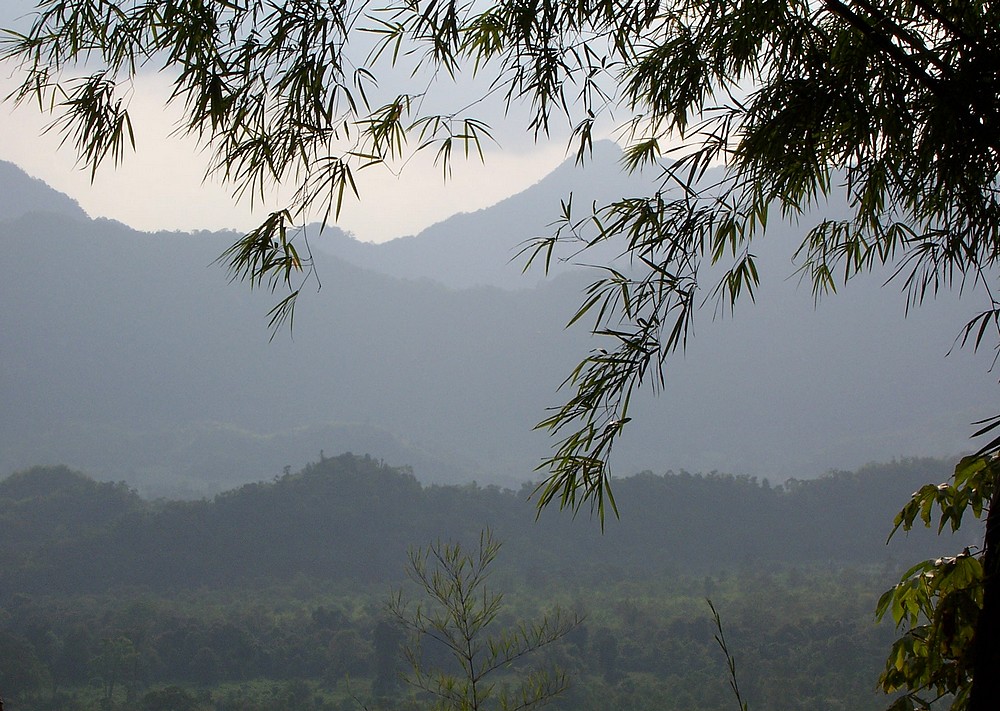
{"x":804,"y":638}
{"x":274,"y":595}
{"x":456,"y":653}
{"x":947,"y":643}
{"x":348,"y":520}
{"x":892,"y":106}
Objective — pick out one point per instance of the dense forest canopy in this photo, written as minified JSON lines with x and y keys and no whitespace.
{"x":352,"y":519}
{"x":272,"y":595}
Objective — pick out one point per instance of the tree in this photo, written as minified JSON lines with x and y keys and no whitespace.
{"x":890,"y":104}
{"x":950,"y":646}
{"x":474,"y":665}
{"x":117,"y":662}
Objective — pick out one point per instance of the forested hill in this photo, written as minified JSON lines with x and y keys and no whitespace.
{"x":352,"y":519}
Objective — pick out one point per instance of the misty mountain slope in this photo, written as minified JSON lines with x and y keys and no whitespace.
{"x":483,"y":247}
{"x":134,"y":338}
{"x":128,"y":355}
{"x":23,"y":195}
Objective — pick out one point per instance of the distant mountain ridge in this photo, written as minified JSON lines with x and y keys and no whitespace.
{"x":484,"y":248}
{"x":23,"y":195}
{"x":129,"y":356}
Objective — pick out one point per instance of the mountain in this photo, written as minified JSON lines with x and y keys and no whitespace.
{"x":129,"y":356}
{"x":484,"y":248}
{"x":23,"y":195}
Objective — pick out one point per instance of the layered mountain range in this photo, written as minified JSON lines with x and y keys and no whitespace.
{"x":129,"y":355}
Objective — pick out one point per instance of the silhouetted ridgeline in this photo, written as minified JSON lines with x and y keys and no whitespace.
{"x":352,"y":519}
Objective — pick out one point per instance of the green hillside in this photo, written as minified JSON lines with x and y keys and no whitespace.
{"x":272,"y":595}
{"x":350,"y":520}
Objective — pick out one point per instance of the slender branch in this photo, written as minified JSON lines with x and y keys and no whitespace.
{"x":893,"y":50}
{"x":720,"y":638}
{"x":945,"y":22}
{"x":905,"y":35}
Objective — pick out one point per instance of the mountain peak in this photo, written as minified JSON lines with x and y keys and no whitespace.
{"x":24,"y":195}
{"x":481,"y":248}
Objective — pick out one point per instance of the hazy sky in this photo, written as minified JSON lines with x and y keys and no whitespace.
{"x":162,"y":186}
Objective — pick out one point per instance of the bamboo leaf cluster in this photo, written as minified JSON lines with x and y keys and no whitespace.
{"x":940,"y":602}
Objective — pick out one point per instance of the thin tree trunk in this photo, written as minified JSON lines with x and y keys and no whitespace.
{"x":985,"y":694}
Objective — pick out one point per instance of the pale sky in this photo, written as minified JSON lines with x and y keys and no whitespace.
{"x":162,"y":186}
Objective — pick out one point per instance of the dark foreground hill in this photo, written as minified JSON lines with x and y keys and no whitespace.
{"x":350,"y":520}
